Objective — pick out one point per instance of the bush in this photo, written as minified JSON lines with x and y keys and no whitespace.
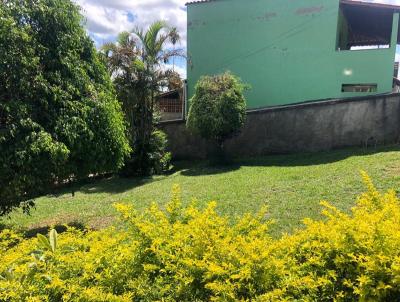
{"x":186,"y":254}
{"x":154,"y":160}
{"x":218,"y":108}
{"x":59,"y":117}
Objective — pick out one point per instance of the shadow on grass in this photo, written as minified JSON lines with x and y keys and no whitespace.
{"x":205,"y":168}
{"x":290,"y":160}
{"x":116,"y":185}
{"x":46,"y":229}
{"x":111,"y":185}
{"x":320,"y":158}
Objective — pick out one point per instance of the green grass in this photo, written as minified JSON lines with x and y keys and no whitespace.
{"x":291,"y":186}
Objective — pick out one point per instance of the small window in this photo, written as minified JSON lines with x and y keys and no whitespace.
{"x":359,"y":88}
{"x":363,"y":27}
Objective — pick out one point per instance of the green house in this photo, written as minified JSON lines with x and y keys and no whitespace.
{"x":293,"y":51}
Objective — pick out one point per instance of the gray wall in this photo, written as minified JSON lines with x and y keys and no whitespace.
{"x":316,"y":126}
{"x":170,"y":116}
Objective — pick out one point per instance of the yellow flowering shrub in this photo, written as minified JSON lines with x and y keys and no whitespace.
{"x":187,"y":254}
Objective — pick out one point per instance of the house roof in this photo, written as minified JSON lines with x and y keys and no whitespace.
{"x":350,"y":2}
{"x":170,"y":93}
{"x":199,"y":1}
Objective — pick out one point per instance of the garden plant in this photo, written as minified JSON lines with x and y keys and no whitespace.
{"x":218,"y":109}
{"x":183,"y":253}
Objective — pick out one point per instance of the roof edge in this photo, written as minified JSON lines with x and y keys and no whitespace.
{"x":198,"y":2}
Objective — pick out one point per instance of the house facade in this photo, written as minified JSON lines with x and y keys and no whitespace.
{"x":292,"y":51}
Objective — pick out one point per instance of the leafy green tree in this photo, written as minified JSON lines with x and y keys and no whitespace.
{"x":218,"y":108}
{"x":59,"y":117}
{"x":136,"y":62}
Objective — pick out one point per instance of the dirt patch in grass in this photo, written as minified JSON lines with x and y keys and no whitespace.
{"x":63,"y":219}
{"x":393,"y":170}
{"x":60,"y":223}
{"x":99,"y":223}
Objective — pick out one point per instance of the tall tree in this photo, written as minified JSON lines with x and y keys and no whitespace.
{"x":136,"y":62}
{"x":174,"y":38}
{"x":59,"y":117}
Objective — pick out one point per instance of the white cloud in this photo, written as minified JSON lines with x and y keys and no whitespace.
{"x":106,"y":18}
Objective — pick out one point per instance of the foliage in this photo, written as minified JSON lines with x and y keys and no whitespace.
{"x":173,"y":80}
{"x":158,"y":159}
{"x":218,"y":107}
{"x":59,"y":118}
{"x":186,"y":254}
{"x":136,"y":64}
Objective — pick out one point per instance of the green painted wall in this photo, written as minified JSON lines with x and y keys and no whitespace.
{"x":286,"y":50}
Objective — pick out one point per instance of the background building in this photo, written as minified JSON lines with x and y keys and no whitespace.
{"x":294,"y":51}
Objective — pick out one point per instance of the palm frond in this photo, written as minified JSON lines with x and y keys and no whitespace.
{"x":166,"y":55}
{"x":123,"y":38}
{"x":153,"y":36}
{"x":174,"y":36}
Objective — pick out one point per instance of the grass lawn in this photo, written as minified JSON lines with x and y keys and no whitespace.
{"x":291,"y":186}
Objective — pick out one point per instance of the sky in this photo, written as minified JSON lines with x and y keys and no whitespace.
{"x":106,"y":18}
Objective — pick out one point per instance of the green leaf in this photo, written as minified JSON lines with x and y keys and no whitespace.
{"x":53,"y":240}
{"x":43,"y":242}
{"x":139,"y":65}
{"x":8,"y":275}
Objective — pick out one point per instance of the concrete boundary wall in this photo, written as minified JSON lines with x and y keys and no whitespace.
{"x":307,"y":127}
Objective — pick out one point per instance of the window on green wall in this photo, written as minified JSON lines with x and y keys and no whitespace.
{"x":363,"y":27}
{"x":359,"y":88}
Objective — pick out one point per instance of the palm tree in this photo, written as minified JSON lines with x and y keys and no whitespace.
{"x":121,"y":54}
{"x":153,"y":52}
{"x":174,"y":38}
{"x":119,"y":57}
{"x":136,"y":63}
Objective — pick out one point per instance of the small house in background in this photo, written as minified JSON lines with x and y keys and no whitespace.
{"x":171,"y":105}
{"x":295,"y":51}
